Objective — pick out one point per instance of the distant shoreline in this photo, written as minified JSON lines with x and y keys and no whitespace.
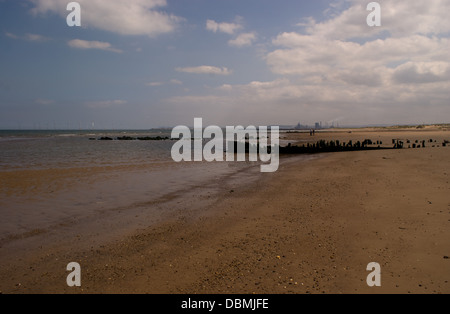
{"x":282,"y":128}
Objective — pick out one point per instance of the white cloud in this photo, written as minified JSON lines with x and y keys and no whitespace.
{"x":389,"y":79}
{"x":154,"y":84}
{"x":173,"y":82}
{"x":241,"y":40}
{"x":228,"y":28}
{"x":342,"y":69}
{"x":369,"y":64}
{"x":28,"y":36}
{"x":226,"y":87}
{"x":422,"y":72}
{"x":11,"y":35}
{"x":205,"y":69}
{"x":398,"y":18}
{"x":84,"y":44}
{"x":285,"y":101}
{"x":137,"y":17}
{"x":176,"y":82}
{"x":36,"y":37}
{"x":245,"y":39}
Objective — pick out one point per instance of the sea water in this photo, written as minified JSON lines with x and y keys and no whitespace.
{"x":48,"y":178}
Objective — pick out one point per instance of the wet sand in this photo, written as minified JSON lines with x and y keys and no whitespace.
{"x":311,"y":227}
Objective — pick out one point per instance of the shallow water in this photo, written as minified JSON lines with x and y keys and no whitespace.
{"x":43,"y":150}
{"x":50,"y":178}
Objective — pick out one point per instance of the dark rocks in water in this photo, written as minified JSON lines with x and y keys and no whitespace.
{"x":126,"y":138}
{"x":92,"y":139}
{"x":129,"y":138}
{"x":322,"y":146}
{"x":251,"y":148}
{"x":334,"y":146}
{"x":147,"y":138}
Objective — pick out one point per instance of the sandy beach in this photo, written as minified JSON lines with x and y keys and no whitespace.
{"x":311,"y":227}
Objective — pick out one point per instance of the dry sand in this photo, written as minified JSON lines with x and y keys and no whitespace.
{"x":311,"y":227}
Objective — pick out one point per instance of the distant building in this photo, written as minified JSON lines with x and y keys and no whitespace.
{"x":299,"y":126}
{"x":317,"y":126}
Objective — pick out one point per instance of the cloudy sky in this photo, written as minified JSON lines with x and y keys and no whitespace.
{"x":154,"y":63}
